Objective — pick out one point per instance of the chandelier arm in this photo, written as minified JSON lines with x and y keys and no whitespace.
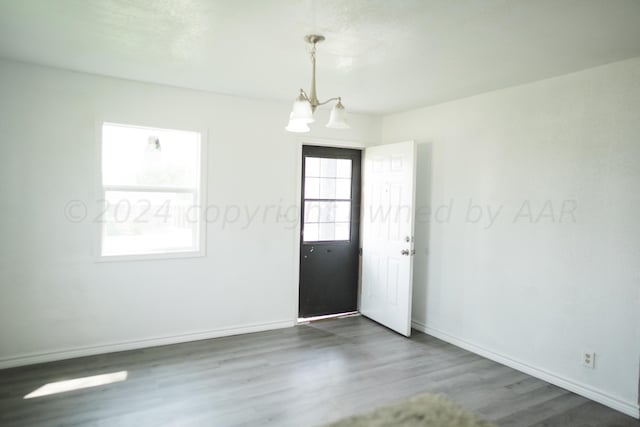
{"x":304,"y":94}
{"x":337,"y":98}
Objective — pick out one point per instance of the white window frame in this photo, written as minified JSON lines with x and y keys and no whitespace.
{"x":200,"y":201}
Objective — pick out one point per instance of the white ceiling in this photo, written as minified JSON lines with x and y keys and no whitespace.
{"x":381,"y":56}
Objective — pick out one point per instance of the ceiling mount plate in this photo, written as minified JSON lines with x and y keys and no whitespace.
{"x":313,"y":38}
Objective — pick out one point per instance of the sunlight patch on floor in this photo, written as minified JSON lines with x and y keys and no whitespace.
{"x":328,"y":316}
{"x":77,"y":384}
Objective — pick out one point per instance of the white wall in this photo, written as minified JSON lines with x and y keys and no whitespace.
{"x":535,"y":293}
{"x":54,"y":297}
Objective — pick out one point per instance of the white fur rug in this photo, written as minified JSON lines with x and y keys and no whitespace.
{"x":426,"y":410}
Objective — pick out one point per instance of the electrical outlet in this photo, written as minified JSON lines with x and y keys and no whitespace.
{"x":589,"y":359}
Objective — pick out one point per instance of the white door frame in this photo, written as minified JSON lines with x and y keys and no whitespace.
{"x":322,"y":142}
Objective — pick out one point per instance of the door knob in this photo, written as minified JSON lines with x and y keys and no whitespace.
{"x":405,"y":252}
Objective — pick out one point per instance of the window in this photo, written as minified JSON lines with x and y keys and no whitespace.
{"x":327,"y":199}
{"x":151,"y":184}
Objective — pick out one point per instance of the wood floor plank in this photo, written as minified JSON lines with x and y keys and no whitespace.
{"x":303,"y":376}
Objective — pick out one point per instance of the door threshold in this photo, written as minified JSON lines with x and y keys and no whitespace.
{"x":304,"y":320}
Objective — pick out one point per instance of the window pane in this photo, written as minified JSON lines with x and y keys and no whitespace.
{"x":149,"y":222}
{"x":130,"y":156}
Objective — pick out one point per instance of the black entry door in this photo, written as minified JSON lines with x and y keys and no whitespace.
{"x":330,"y":232}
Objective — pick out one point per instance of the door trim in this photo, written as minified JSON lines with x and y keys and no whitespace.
{"x":322,"y":142}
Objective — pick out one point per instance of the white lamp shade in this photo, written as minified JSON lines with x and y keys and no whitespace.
{"x":302,"y":110}
{"x":297,"y":125}
{"x":337,"y":119}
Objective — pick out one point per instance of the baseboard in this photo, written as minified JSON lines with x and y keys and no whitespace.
{"x":33,"y":358}
{"x":629,"y":408}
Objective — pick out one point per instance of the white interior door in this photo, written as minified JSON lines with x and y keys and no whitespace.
{"x":387,"y":234}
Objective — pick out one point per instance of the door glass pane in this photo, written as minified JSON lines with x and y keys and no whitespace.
{"x":343,"y":211}
{"x":327,"y":212}
{"x":311,"y":212}
{"x":312,"y":188}
{"x":343,"y":188}
{"x":342,"y":231}
{"x":316,"y":167}
{"x":327,"y":199}
{"x":310,"y":232}
{"x":319,"y":212}
{"x":312,"y":166}
{"x":327,"y":188}
{"x":328,"y":168}
{"x":344,"y":168}
{"x":327,"y":231}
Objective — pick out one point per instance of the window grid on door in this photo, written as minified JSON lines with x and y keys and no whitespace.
{"x":327,"y":200}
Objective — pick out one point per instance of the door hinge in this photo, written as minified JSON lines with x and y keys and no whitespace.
{"x":360,"y":251}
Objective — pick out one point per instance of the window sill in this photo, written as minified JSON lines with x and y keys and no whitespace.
{"x":150,"y":257}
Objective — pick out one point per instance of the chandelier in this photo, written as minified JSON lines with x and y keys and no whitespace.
{"x":305,"y":105}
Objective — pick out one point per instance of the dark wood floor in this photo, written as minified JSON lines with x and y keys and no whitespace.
{"x":302,"y":376}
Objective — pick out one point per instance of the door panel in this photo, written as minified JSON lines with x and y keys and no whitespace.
{"x":387,"y":234}
{"x":330,"y":232}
